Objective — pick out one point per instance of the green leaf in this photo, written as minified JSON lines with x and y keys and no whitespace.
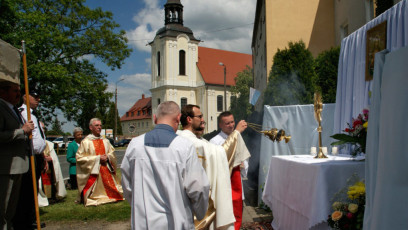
{"x":60,"y":37}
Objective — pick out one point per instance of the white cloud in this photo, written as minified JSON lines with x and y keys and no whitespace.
{"x":219,"y":24}
{"x":88,"y":57}
{"x":131,"y":89}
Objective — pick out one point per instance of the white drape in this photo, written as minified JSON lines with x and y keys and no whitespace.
{"x":299,"y":122}
{"x":387,"y":159}
{"x":352,"y":89}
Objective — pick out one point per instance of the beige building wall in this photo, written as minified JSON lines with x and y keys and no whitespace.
{"x":310,"y":21}
{"x":350,"y":15}
{"x":279,"y":22}
{"x":141,"y":126}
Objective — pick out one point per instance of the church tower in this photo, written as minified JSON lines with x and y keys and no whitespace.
{"x":174,"y":54}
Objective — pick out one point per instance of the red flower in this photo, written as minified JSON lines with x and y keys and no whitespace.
{"x":349,"y":215}
{"x":357,"y":122}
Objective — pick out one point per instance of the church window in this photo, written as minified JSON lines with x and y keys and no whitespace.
{"x":158,"y":64}
{"x":183,"y":102}
{"x":182,"y":62}
{"x":219,"y":103}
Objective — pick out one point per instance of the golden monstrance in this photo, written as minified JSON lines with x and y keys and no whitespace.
{"x":318,"y":108}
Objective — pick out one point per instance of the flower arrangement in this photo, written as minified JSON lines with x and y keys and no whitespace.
{"x":349,"y":214}
{"x":356,"y":134}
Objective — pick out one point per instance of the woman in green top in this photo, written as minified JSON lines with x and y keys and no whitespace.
{"x":71,"y":152}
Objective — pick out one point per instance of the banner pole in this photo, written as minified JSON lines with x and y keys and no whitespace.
{"x":32,"y":161}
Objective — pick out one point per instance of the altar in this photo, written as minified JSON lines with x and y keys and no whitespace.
{"x":299,"y":188}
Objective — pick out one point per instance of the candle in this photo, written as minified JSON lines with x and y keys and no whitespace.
{"x":324,"y":150}
{"x":313,"y":151}
{"x":334,"y":150}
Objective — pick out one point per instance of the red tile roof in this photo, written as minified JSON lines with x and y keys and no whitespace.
{"x":213,"y":73}
{"x":144,"y":104}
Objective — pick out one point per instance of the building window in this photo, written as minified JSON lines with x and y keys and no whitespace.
{"x":344,"y":31}
{"x":132,"y":114}
{"x":142,"y":124}
{"x":138,"y":124}
{"x":219,"y":103}
{"x":158,"y":64}
{"x":138,"y":113}
{"x":183,"y":102}
{"x":158,"y":101}
{"x":150,"y":112}
{"x":182,"y":62}
{"x":144,"y":112}
{"x":127,"y":114}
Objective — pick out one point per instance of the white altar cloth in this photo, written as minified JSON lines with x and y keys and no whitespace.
{"x":299,"y":189}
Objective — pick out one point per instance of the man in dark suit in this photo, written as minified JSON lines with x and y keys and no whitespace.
{"x":14,"y":160}
{"x":26,"y":208}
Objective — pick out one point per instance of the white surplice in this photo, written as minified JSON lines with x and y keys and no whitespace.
{"x":164,"y":184}
{"x":61,"y":192}
{"x":215,"y":163}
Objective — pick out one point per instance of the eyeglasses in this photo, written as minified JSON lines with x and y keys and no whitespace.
{"x":199,"y":116}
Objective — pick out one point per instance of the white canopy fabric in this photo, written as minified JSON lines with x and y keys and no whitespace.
{"x":299,"y":122}
{"x":352,"y":89}
{"x":387,"y":159}
{"x":9,"y":63}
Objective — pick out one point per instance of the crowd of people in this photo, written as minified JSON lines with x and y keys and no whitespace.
{"x":172,"y":179}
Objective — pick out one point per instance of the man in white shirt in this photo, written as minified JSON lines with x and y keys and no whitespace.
{"x":162,"y":178}
{"x":227,"y":125}
{"x":26,"y":206}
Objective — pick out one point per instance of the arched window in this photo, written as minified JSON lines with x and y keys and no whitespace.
{"x":219,"y":103}
{"x":158,"y":64}
{"x":182,"y":62}
{"x":183,"y":102}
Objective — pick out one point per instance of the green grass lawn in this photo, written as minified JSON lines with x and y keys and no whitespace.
{"x":68,"y":210}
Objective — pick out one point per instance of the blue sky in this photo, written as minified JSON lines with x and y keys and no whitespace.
{"x":226,"y":25}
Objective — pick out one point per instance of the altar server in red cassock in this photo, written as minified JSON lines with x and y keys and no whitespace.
{"x":239,"y":163}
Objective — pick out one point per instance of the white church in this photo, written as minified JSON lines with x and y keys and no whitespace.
{"x":184,"y":72}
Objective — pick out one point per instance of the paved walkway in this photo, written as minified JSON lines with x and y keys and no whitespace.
{"x":255,"y":214}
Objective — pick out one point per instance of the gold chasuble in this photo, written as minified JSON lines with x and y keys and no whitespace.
{"x":97,"y":183}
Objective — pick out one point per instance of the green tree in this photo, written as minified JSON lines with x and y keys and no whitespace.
{"x":110,"y":119}
{"x":326,"y":66}
{"x":292,"y":76}
{"x":240,"y":106}
{"x":56,"y":128}
{"x":61,"y":36}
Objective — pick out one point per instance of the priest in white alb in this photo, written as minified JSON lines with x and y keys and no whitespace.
{"x":215,"y":161}
{"x":96,"y":169}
